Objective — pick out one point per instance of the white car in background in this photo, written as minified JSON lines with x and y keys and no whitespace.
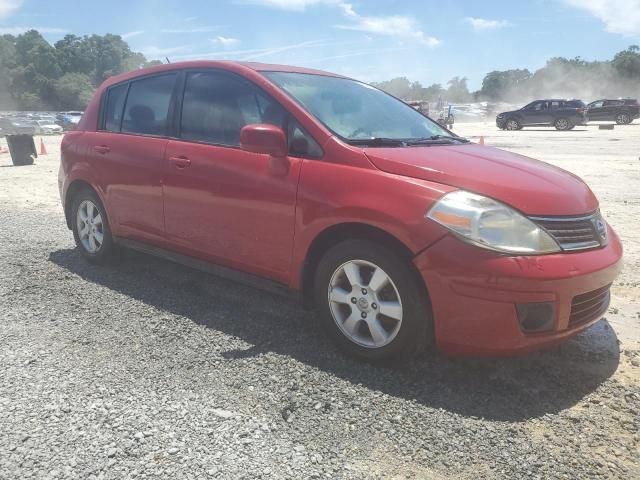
{"x":46,"y":127}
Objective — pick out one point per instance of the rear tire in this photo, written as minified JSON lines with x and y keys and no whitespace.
{"x":623,"y":119}
{"x":563,"y":124}
{"x":90,"y":227}
{"x":371,"y":303}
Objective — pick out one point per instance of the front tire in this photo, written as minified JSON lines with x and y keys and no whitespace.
{"x":623,"y":119}
{"x":562,"y":124}
{"x":90,"y":226}
{"x":512,"y":124}
{"x":371,"y":302}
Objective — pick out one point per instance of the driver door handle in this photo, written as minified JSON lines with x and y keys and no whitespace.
{"x":180,"y":161}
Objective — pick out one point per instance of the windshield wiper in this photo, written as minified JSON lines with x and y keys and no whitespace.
{"x":378,"y":142}
{"x":436,"y":139}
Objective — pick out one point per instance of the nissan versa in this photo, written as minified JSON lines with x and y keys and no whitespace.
{"x":401,"y":234}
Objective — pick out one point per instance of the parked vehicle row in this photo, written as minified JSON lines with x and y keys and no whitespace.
{"x":566,"y":114}
{"x":399,"y":233}
{"x":38,"y":123}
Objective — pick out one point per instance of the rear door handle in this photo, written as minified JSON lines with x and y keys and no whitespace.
{"x":102,"y":149}
{"x":180,"y":161}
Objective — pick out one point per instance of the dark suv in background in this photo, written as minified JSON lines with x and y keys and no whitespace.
{"x":623,"y":111}
{"x":562,"y":114}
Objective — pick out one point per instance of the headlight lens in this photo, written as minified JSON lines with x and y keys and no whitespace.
{"x":491,"y":224}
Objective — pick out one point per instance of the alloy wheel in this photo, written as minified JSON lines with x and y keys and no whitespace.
{"x":90,"y":226}
{"x":512,"y":125}
{"x":365,"y":303}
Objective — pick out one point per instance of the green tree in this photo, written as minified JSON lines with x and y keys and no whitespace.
{"x":37,"y":75}
{"x":73,"y":91}
{"x":457,"y":90}
{"x":627,"y":63}
{"x":496,"y":84}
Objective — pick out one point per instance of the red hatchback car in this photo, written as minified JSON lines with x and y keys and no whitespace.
{"x":400,"y":233}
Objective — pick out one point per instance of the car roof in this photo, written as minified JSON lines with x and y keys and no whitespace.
{"x":230,"y":65}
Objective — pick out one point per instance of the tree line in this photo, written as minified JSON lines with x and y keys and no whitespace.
{"x":35,"y":75}
{"x":560,"y":77}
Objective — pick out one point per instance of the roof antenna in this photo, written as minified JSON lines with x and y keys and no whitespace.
{"x":167,"y":59}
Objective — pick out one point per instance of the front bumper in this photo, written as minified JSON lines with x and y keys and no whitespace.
{"x":474,"y":293}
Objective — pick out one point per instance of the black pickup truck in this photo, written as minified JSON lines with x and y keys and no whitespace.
{"x":562,"y":114}
{"x":622,"y":111}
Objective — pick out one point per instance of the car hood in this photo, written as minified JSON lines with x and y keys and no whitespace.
{"x":531,"y":186}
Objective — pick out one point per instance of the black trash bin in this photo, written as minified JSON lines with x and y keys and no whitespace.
{"x":22,"y":149}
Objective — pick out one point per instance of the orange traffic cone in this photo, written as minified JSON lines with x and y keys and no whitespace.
{"x":481,"y":140}
{"x":43,"y":149}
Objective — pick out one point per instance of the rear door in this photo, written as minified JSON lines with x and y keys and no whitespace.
{"x":224,"y":204}
{"x":612,"y":108}
{"x":128,"y":154}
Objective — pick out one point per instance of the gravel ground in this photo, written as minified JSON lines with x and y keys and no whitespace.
{"x":145,"y":369}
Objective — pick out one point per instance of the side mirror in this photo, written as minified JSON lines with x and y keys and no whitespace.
{"x":263,"y":138}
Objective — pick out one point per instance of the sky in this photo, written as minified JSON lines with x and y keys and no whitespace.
{"x":372,"y":40}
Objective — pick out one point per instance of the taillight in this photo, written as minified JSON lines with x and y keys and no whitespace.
{"x":580,"y":110}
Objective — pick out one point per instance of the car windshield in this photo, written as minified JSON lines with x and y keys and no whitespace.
{"x":358,"y":112}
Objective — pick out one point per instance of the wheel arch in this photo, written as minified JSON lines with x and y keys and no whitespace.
{"x":337,"y":233}
{"x":72,"y":190}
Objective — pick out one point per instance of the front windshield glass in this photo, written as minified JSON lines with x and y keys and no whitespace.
{"x":356,"y":111}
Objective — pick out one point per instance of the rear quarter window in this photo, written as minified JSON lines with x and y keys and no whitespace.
{"x":113,"y":107}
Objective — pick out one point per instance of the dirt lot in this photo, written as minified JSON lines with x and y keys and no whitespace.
{"x":144,"y":369}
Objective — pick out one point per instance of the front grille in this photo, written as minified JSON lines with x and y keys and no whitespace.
{"x":588,"y":305}
{"x":575,"y":233}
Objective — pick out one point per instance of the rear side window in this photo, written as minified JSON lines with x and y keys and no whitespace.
{"x":613,"y":103}
{"x":113,"y":107}
{"x":555,"y":104}
{"x":216,"y":106}
{"x":147,"y":105}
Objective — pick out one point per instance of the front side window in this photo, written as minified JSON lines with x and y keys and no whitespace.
{"x":113,"y":107}
{"x":216,"y":106}
{"x":596,"y":104}
{"x":355,"y":111}
{"x":147,"y":105}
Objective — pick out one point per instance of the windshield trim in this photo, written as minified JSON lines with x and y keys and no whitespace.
{"x":346,"y":140}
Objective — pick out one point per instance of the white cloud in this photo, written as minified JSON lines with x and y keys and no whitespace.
{"x":7,"y":7}
{"x":212,"y":28}
{"x":128,"y":35}
{"x":20,"y":30}
{"x":392,"y":25}
{"x":253,"y":53}
{"x":225,"y":41}
{"x":295,"y":5}
{"x":157,"y":52}
{"x":395,"y":26}
{"x":479,"y":24}
{"x":619,"y":16}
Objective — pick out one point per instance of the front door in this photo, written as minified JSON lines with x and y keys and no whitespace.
{"x":222,"y":203}
{"x":538,"y":113}
{"x":596,"y":110}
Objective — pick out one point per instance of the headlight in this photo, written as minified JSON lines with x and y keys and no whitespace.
{"x":490,"y":224}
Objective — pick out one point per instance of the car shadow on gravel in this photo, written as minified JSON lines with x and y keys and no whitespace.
{"x":506,"y":389}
